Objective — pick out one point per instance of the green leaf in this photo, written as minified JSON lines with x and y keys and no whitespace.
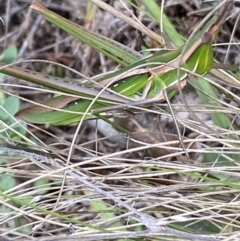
{"x":42,"y":186}
{"x":114,"y":50}
{"x":9,"y":108}
{"x":2,"y":96}
{"x":207,"y":227}
{"x":35,"y":115}
{"x":12,"y":105}
{"x":208,"y":96}
{"x":7,"y":182}
{"x":8,"y":57}
{"x":156,"y":14}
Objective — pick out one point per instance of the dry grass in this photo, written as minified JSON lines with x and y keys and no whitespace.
{"x":114,"y":186}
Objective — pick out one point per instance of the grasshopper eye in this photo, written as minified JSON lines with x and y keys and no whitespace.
{"x":206,"y":38}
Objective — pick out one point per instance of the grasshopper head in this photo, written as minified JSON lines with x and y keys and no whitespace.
{"x":210,"y":35}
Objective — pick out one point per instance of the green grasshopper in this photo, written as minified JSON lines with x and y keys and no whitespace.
{"x":150,"y":78}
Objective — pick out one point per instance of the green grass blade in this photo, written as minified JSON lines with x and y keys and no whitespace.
{"x":114,"y":50}
{"x":156,"y":14}
{"x":208,"y":96}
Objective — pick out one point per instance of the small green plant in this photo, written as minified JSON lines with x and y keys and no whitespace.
{"x":11,"y":128}
{"x":8,"y":57}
